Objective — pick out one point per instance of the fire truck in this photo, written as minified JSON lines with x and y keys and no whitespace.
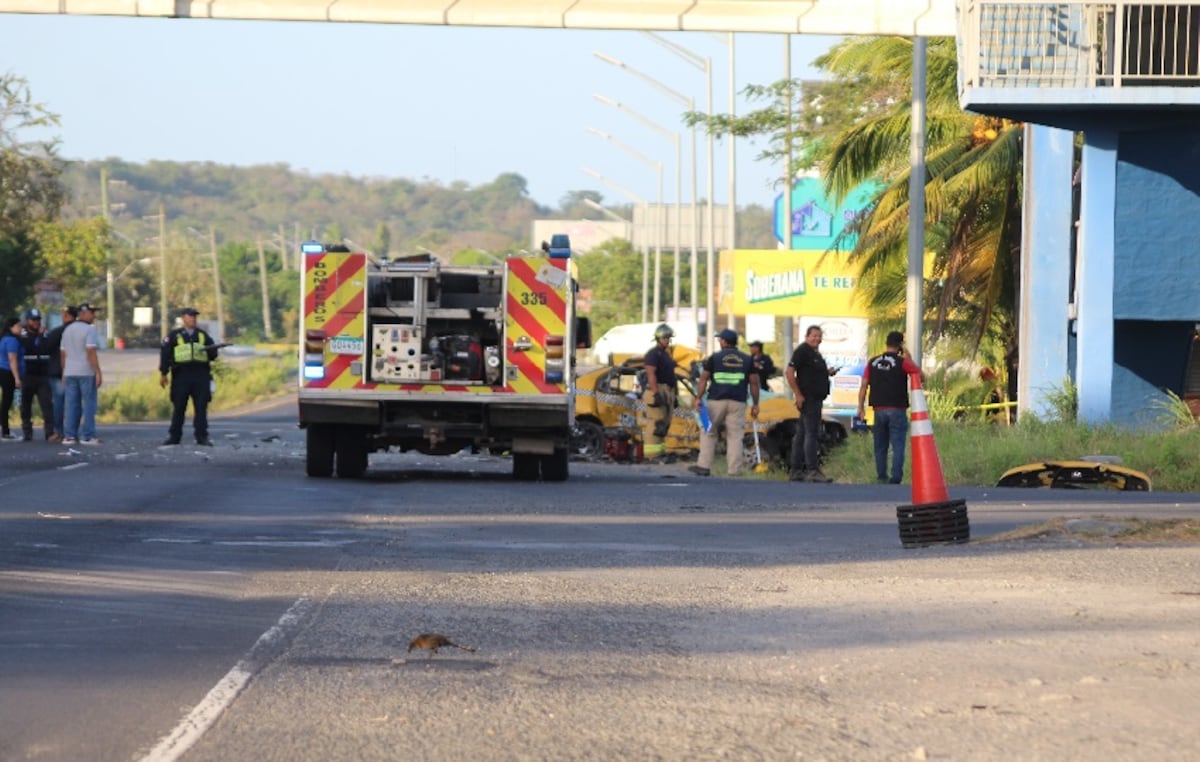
{"x":411,"y":354}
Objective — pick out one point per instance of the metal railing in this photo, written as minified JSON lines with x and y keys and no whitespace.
{"x":1124,"y":43}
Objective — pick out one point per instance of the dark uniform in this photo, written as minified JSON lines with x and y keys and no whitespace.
{"x":812,"y":376}
{"x":884,"y":386}
{"x":187,"y":356}
{"x":763,"y":364}
{"x":36,"y":381}
{"x":727,"y":377}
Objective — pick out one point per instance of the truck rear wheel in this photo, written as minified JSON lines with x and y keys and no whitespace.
{"x":351,"y":442}
{"x":319,"y":450}
{"x":556,"y":467}
{"x":525,"y":466}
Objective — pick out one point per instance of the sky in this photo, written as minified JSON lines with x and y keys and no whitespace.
{"x":443,"y":104}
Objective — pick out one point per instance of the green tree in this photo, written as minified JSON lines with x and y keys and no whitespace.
{"x":612,"y":272}
{"x":75,"y":255}
{"x":30,"y":189}
{"x":383,"y":239}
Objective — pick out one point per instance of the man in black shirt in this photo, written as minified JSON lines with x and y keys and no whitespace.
{"x":886,"y":376}
{"x":808,"y":376}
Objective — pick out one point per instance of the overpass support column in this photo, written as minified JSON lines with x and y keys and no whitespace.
{"x":1094,"y":275}
{"x":1045,"y":267}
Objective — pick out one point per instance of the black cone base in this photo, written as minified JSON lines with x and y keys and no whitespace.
{"x":933,"y":524}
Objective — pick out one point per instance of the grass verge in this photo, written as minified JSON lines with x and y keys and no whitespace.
{"x":977,"y":453}
{"x":238,"y":384}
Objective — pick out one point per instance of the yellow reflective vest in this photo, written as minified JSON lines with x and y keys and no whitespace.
{"x":190,"y":351}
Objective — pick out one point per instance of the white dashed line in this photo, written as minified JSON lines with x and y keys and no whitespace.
{"x":200,"y":719}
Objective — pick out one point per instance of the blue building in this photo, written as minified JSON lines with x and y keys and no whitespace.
{"x":1110,"y":296}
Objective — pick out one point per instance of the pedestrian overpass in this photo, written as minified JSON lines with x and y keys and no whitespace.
{"x":831,"y":17}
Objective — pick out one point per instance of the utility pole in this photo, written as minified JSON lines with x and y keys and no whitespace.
{"x":216,"y":266}
{"x":109,"y":281}
{"x":266,"y":301}
{"x":284,"y":251}
{"x":162,"y":268}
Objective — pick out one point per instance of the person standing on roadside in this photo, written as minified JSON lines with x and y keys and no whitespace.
{"x":887,"y":376}
{"x":55,"y":373}
{"x":81,"y":378}
{"x":36,"y":381}
{"x":726,"y":375}
{"x":763,"y":364}
{"x":808,"y":377}
{"x":12,"y":366}
{"x":660,"y":393}
{"x":185,"y":362}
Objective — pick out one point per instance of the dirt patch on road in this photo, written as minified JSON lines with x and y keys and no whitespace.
{"x":1107,"y":530}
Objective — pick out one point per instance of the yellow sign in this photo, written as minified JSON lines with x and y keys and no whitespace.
{"x":778,"y":282}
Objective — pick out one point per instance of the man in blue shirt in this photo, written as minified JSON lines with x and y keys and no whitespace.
{"x":726,"y":375}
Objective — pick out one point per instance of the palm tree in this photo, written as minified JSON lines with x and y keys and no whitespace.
{"x":855,"y":127}
{"x":972,"y":191}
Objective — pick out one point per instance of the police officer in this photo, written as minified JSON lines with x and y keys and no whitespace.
{"x":36,"y":381}
{"x":763,"y":364}
{"x":726,"y":377}
{"x":186,"y":357}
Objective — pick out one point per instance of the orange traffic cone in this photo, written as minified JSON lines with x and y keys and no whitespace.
{"x":933,"y":519}
{"x":928,"y":483}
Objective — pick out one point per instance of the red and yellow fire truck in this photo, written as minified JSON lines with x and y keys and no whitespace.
{"x":412,"y":354}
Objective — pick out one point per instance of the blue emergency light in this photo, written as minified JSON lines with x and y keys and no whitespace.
{"x":560,"y":246}
{"x":312,"y":247}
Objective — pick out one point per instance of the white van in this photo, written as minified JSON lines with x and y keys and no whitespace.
{"x":636,"y":339}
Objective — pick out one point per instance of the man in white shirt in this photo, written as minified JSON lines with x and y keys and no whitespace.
{"x":81,"y":378}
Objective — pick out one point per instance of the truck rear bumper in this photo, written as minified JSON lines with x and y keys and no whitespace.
{"x":446,"y":426}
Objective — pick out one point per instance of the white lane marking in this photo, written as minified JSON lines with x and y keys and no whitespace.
{"x":73,"y":466}
{"x":200,"y":719}
{"x":287,"y":543}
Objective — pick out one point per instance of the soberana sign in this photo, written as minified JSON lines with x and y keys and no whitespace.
{"x":790,"y":283}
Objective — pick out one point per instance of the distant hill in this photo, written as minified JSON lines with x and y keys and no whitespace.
{"x":251,"y":203}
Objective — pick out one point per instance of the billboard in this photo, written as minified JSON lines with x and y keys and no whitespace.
{"x":790,"y":283}
{"x":816,"y":222}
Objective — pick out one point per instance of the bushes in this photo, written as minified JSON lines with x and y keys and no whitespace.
{"x":238,"y":383}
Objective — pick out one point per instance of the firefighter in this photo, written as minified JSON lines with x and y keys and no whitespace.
{"x":660,"y":393}
{"x":186,"y":361}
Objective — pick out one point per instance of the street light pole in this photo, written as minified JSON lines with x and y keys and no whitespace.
{"x":690,"y":105}
{"x":637,"y":200}
{"x":658,"y":226}
{"x":675,"y":136}
{"x":704,"y":65}
{"x":732,"y":211}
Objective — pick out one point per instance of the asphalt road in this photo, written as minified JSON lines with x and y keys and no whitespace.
{"x":216,"y":604}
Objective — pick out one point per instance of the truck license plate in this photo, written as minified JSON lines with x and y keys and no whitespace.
{"x":346,"y":345}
